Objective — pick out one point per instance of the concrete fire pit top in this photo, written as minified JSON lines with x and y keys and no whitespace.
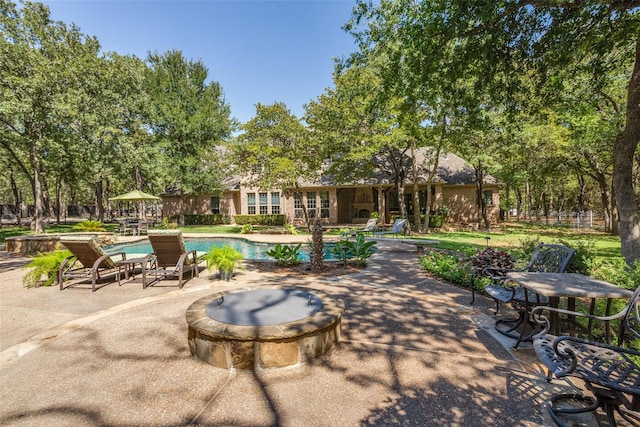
{"x":259,"y":307}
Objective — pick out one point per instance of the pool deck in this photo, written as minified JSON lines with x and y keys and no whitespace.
{"x":413,"y":352}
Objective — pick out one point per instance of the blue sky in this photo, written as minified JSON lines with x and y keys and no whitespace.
{"x":259,"y":51}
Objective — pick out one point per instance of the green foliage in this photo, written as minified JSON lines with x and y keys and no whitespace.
{"x":223,"y":259}
{"x":583,"y":257}
{"x":447,"y":266}
{"x":375,"y":215}
{"x":247,"y":228}
{"x":291,"y":229}
{"x":360,"y":249}
{"x":44,"y":264}
{"x":271,"y":219}
{"x":88,"y":225}
{"x":204,"y":219}
{"x":528,"y":245}
{"x":285,"y":254}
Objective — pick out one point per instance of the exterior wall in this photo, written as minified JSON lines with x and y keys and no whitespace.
{"x":461,"y":200}
{"x":287,"y":203}
{"x":201,"y":204}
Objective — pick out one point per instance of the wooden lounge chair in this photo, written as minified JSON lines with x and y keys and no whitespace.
{"x":88,"y":261}
{"x":171,"y":256}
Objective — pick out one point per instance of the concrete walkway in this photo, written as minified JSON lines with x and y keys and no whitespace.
{"x":413,"y":352}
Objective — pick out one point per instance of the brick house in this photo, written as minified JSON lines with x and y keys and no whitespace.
{"x":350,"y":203}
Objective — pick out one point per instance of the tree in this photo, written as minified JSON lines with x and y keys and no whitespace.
{"x":41,"y":71}
{"x":274,"y":151}
{"x":494,"y":43}
{"x":189,"y":119}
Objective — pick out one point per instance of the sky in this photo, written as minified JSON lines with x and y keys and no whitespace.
{"x":259,"y":51}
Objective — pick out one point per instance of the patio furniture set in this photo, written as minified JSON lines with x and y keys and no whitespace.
{"x":610,"y":372}
{"x":89,"y":261}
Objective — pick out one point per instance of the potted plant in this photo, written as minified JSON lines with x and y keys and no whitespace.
{"x":44,"y":264}
{"x":224,"y":259}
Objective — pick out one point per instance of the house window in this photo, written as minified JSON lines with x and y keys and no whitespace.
{"x":324,"y":204}
{"x":275,"y":203}
{"x":311,"y":204}
{"x":251,"y":203}
{"x":215,"y":205}
{"x":488,"y":197}
{"x":297,"y":206}
{"x":264,"y":209}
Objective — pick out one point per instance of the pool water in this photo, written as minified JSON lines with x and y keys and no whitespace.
{"x":250,"y":250}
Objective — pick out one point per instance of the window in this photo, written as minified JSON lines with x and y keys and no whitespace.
{"x":488,"y":197}
{"x":215,"y":205}
{"x":311,"y":204}
{"x":324,"y":204}
{"x":297,"y":206}
{"x":263,"y":204}
{"x":275,"y":203}
{"x":251,"y":203}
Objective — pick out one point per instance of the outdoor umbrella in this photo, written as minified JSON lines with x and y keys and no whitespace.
{"x":135,"y":196}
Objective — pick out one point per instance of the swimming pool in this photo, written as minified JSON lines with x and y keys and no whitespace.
{"x":250,"y":250}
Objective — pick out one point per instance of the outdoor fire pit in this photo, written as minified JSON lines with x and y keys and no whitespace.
{"x":265,"y":327}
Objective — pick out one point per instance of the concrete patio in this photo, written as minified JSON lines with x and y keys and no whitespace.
{"x":413,"y":352}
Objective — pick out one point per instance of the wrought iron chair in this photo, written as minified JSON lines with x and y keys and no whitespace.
{"x":548,"y":258}
{"x":609,"y":371}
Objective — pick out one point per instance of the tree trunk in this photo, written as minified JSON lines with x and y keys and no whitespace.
{"x":99,"y":199}
{"x":38,"y":223}
{"x":16,"y":197}
{"x":416,"y":195}
{"x":624,"y":154}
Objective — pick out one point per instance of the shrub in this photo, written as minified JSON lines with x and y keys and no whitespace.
{"x":224,"y":259}
{"x":44,"y":264}
{"x":285,"y":254}
{"x":291,"y":229}
{"x":247,"y":228}
{"x":583,"y":257}
{"x":490,"y":257}
{"x":88,"y":225}
{"x":360,"y":249}
{"x":204,"y":219}
{"x":447,"y":266}
{"x":274,"y":219}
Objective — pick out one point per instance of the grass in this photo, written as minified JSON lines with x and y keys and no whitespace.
{"x":510,"y":237}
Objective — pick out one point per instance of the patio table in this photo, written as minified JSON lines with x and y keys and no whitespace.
{"x":570,"y":286}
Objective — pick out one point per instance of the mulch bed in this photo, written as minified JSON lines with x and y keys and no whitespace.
{"x":330,"y":269}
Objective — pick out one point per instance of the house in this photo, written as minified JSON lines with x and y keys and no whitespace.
{"x":453,"y":187}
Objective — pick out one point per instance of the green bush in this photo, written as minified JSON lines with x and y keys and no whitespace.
{"x":583,"y":257}
{"x":44,"y":264}
{"x":204,"y":219}
{"x":223,"y":259}
{"x":88,"y":225}
{"x":291,"y":229}
{"x":285,"y":254}
{"x":360,"y":249}
{"x":247,"y":228}
{"x":273,"y":219}
{"x":447,"y":266}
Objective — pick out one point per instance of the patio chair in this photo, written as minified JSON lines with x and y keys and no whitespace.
{"x":609,"y":371}
{"x":547,"y":258}
{"x":143,"y":227}
{"x":171,"y":257}
{"x":369,"y":227}
{"x":88,"y":261}
{"x":396,"y":229}
{"x":124,"y":230}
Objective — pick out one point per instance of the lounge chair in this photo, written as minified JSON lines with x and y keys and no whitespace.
{"x":88,"y":261}
{"x":369,"y":227}
{"x":396,"y":229}
{"x":124,"y":230}
{"x":171,"y":256}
